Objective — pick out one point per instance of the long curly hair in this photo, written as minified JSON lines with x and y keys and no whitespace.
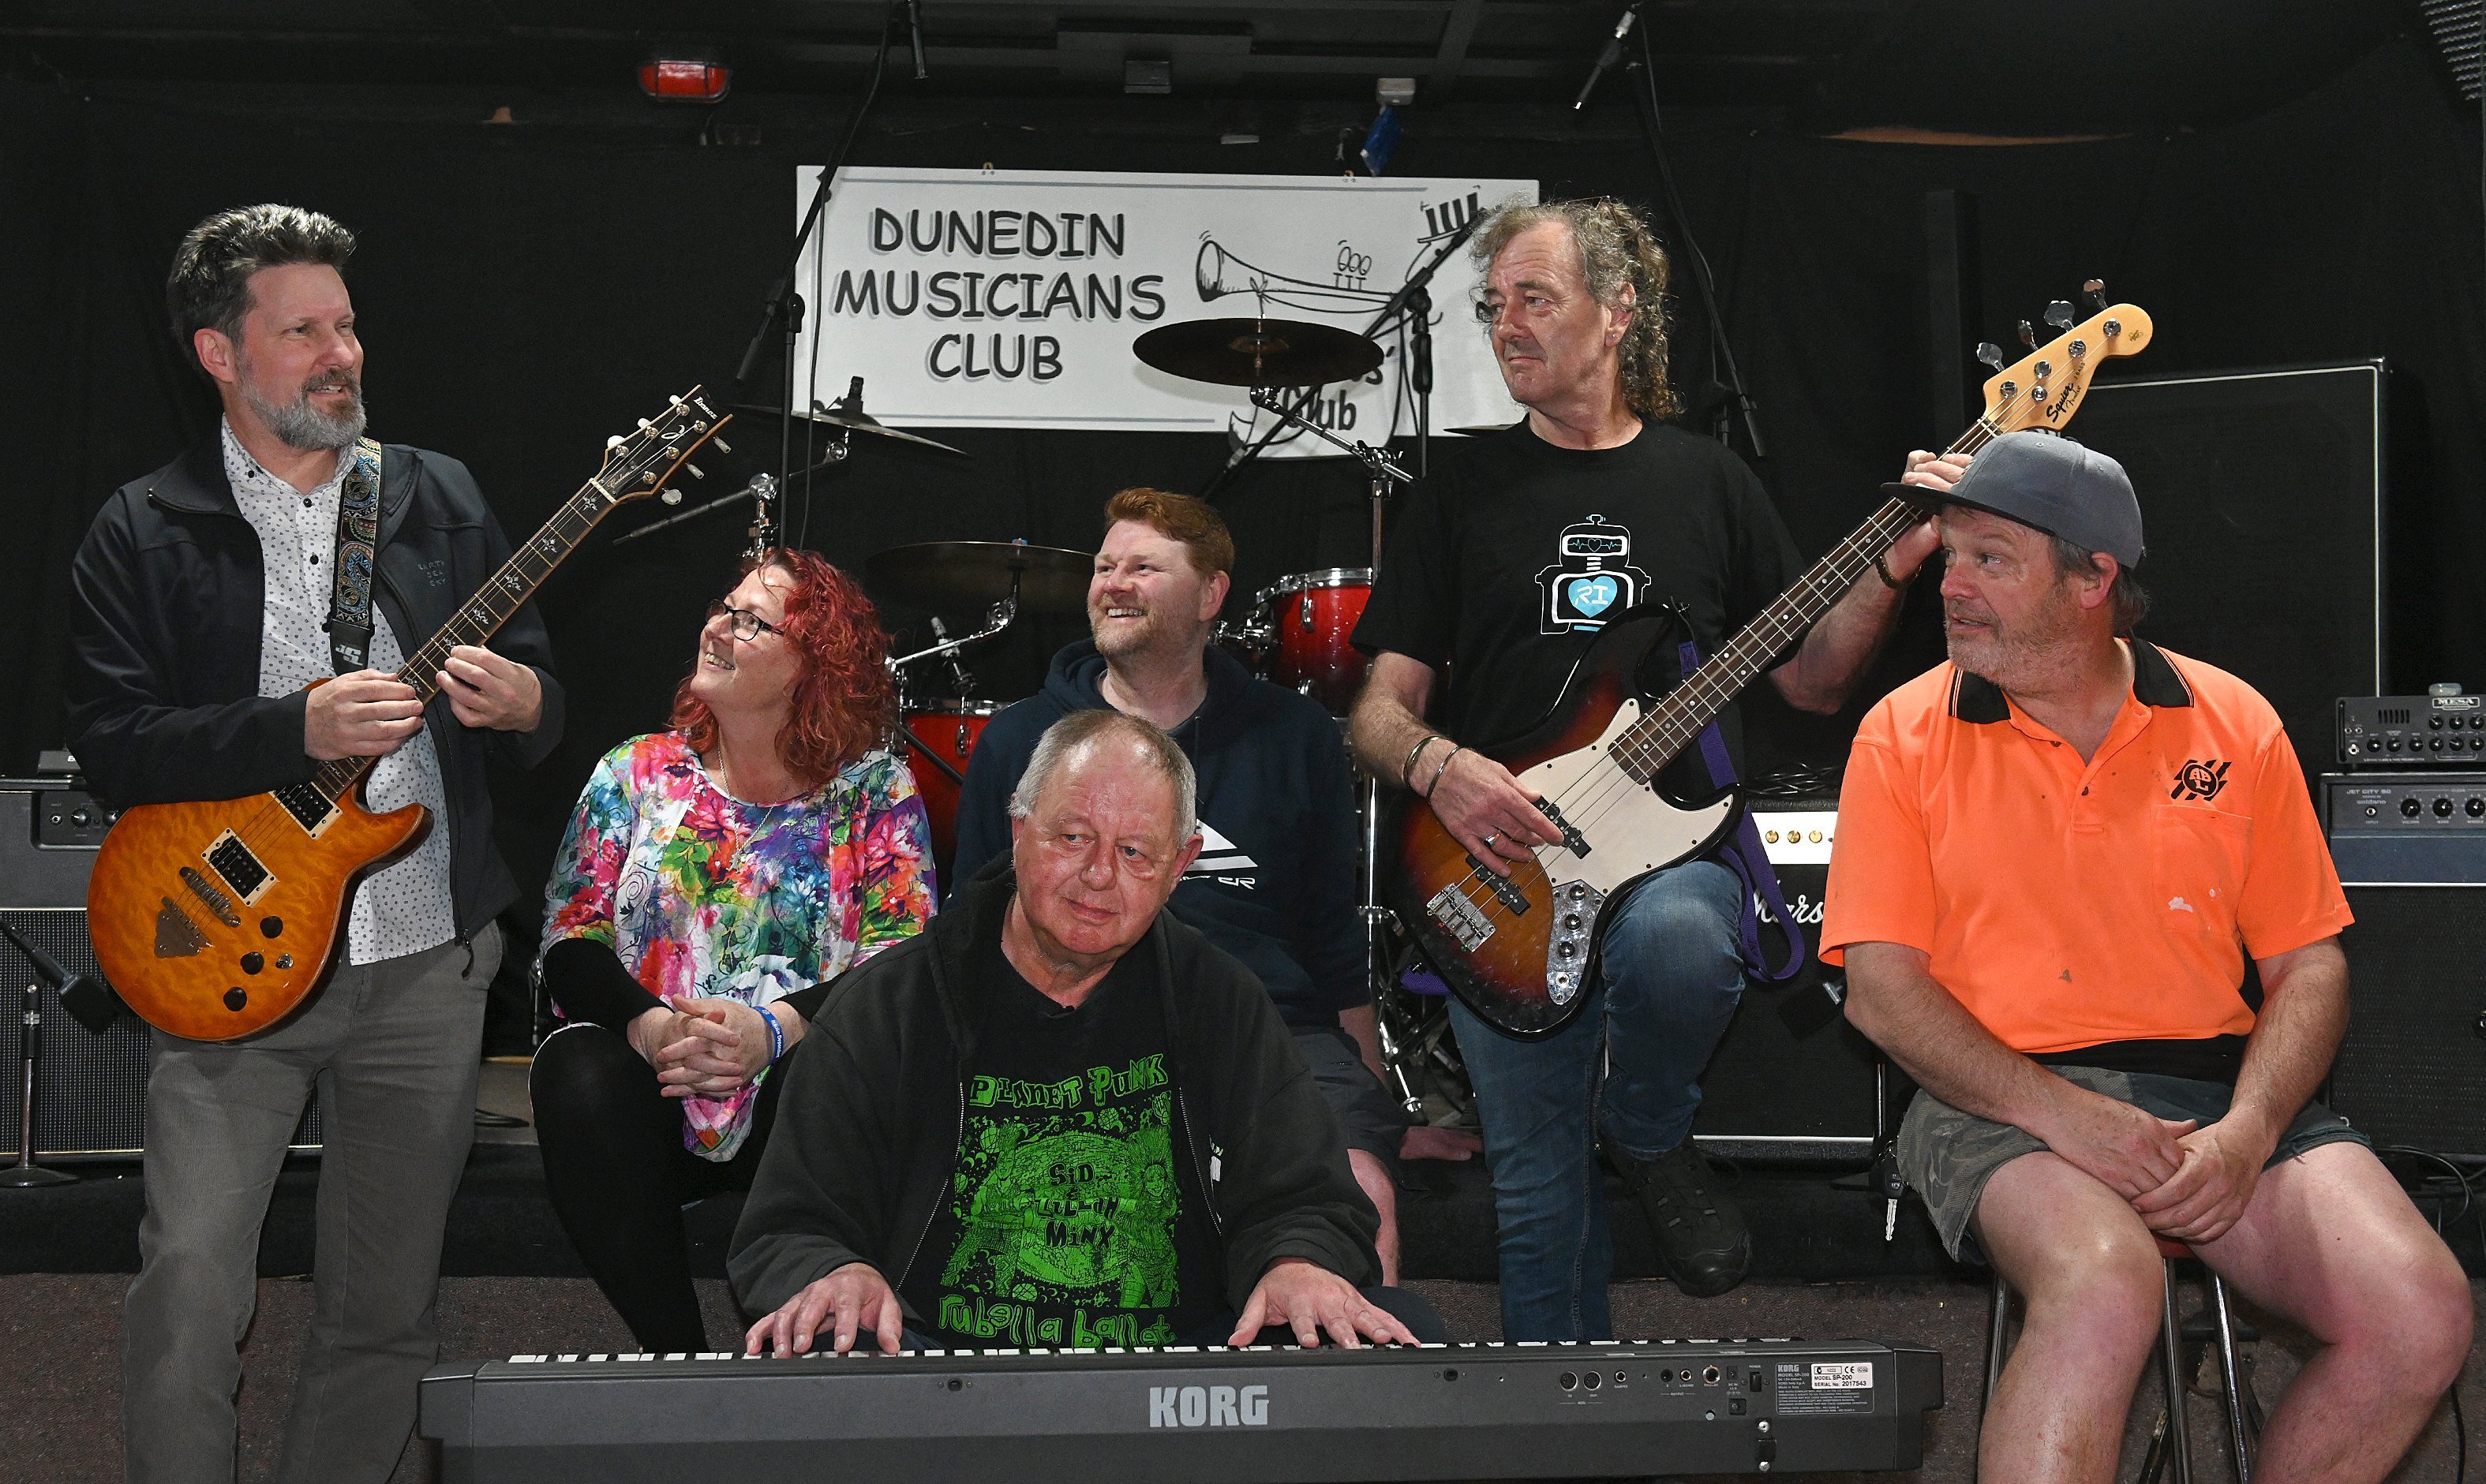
{"x":844,"y":702}
{"x":1618,"y":250}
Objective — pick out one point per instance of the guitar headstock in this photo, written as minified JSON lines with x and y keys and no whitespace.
{"x":2042,"y":388}
{"x":641,"y":463}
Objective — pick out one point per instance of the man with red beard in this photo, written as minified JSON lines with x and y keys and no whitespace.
{"x":2055,"y":854}
{"x":203,"y":601}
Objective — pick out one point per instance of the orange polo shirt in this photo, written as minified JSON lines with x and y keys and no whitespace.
{"x":2071,"y":904}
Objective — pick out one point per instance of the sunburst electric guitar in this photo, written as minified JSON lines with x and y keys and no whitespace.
{"x":1519,"y":951}
{"x":217,"y":918}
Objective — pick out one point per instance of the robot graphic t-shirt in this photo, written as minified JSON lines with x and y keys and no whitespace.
{"x":1072,"y":1219}
{"x":1511,"y":561}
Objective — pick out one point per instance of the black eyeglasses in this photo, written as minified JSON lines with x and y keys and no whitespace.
{"x":747,"y":625}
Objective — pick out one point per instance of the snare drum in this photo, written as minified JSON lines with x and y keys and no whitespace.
{"x":948,"y":730}
{"x":1309,"y":617}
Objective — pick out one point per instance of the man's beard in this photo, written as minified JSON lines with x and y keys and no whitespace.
{"x":2020,"y":658}
{"x":301,"y":425}
{"x":1118,"y":639}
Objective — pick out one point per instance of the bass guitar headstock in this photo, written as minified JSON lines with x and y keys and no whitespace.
{"x":2044,"y":387}
{"x":644,"y":462}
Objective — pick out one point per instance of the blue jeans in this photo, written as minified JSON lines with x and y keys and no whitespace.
{"x":1630,"y":1064}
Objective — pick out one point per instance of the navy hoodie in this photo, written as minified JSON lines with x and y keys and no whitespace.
{"x":1274,"y":884}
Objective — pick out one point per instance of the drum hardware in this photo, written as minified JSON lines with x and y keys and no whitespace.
{"x":761,"y":491}
{"x":846,"y":418}
{"x":944,"y":732}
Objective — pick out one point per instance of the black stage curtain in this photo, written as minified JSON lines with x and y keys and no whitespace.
{"x":527,"y":288}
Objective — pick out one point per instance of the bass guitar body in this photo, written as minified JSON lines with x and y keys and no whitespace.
{"x":1519,"y":953}
{"x":215,"y":920}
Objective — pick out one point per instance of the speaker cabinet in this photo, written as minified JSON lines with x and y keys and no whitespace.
{"x":1792,"y":1083}
{"x":90,"y":1091}
{"x":2249,"y":481}
{"x":2411,"y":1069}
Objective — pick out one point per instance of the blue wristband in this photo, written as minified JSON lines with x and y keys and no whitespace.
{"x":775,"y":1033}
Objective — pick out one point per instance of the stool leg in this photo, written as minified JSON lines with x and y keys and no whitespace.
{"x":2231,"y":1376}
{"x":2170,"y":1362}
{"x":1998,"y":1336}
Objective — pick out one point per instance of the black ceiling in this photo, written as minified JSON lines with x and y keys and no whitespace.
{"x":1981,"y":66}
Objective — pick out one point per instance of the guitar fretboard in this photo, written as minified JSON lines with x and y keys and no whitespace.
{"x":629,"y":473}
{"x":1660,"y":738}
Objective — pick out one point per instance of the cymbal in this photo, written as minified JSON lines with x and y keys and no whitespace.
{"x":854,"y":420}
{"x":1479,"y":431}
{"x":976,"y":574}
{"x":1257,"y":352}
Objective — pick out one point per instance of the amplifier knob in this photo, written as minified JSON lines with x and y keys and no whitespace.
{"x":2434,"y":744}
{"x":2443,"y":808}
{"x":81,"y":816}
{"x":2408,"y":808}
{"x":2392,"y":744}
{"x":2478,"y":808}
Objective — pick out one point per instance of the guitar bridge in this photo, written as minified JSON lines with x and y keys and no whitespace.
{"x":1576,"y":906}
{"x":209,"y":896}
{"x":1572,"y":839}
{"x":1501,"y":885}
{"x":1459,"y":917}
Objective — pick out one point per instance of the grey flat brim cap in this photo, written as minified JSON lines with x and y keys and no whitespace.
{"x":2047,"y":480}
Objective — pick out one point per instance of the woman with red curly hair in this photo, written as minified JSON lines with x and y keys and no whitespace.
{"x":715,"y":878}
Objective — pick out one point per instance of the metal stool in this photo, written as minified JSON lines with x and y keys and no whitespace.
{"x":2243,"y":1422}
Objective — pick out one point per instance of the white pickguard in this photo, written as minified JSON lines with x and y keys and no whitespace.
{"x":1630,"y":830}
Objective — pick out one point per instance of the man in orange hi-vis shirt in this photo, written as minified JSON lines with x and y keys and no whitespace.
{"x":2055,"y":854}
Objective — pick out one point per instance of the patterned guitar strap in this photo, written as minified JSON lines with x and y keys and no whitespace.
{"x":358,"y":533}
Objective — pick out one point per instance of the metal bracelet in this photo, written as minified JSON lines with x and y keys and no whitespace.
{"x":1435,"y":780}
{"x":1406,"y":770}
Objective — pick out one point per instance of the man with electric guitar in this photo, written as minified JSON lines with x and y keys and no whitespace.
{"x":201,"y":672}
{"x":1505,"y":573}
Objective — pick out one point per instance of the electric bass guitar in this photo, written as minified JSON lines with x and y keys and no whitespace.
{"x":217,"y":918}
{"x":1518,"y":950}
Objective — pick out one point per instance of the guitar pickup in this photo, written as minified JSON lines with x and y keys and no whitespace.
{"x":310,"y":808}
{"x":241,"y":870}
{"x":1572,"y":839}
{"x":1500,"y":884}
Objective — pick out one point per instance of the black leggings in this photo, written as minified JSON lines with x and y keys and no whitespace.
{"x":619,"y":1175}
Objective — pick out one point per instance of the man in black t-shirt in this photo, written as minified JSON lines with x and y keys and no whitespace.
{"x":1061,"y":1118}
{"x":1501,"y":574}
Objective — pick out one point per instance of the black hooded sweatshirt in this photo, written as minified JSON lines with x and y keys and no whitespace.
{"x":866,"y":1141}
{"x":1276,"y":883}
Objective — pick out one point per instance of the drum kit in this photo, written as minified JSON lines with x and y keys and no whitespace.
{"x":1295,"y":633}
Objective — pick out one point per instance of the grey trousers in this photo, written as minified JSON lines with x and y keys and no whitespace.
{"x":393,"y":1049}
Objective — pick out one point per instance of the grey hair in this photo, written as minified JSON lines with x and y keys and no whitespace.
{"x":210,"y":286}
{"x":1080,"y":728}
{"x":1617,"y":251}
{"x":2130,"y":599}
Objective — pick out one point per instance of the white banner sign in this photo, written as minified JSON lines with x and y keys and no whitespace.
{"x":1010,"y":298}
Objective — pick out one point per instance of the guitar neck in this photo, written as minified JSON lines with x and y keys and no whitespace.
{"x":486,"y":608}
{"x":1671,"y":726}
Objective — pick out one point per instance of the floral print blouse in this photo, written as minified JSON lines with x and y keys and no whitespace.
{"x":701,"y":894}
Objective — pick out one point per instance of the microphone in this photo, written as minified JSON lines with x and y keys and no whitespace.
{"x":914,"y":35}
{"x":82,"y":994}
{"x":1606,"y":59}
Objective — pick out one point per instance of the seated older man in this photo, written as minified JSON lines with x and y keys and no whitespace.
{"x":1061,"y":1118}
{"x":2055,"y":854}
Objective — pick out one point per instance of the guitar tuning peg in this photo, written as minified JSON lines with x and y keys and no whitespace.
{"x":2058,"y":313}
{"x":695,"y":471}
{"x":612,"y":442}
{"x":643,"y":422}
{"x":1990,"y":353}
{"x":2028,"y":335}
{"x":2094,"y":291}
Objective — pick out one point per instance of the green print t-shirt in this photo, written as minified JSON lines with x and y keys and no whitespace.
{"x":1072,"y":1218}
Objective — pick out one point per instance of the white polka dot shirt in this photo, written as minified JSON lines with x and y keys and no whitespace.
{"x":406,"y":908}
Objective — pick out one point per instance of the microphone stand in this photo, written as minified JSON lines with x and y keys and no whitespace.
{"x":1739,"y":398}
{"x":1413,"y":298}
{"x":27,"y":1174}
{"x":784,"y":307}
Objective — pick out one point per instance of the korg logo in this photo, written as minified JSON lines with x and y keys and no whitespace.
{"x":1208,"y":1407}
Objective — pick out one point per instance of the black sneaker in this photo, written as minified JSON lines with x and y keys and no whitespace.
{"x":1701,"y":1234}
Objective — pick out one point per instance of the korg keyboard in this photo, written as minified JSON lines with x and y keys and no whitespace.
{"x":1207,"y":1415}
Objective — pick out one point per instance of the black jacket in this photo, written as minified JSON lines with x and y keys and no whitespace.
{"x":167,"y":597}
{"x":1277,"y":883}
{"x":866,"y":1141}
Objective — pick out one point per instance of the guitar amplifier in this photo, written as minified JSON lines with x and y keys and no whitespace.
{"x":2411,"y":848}
{"x":89,"y":1089}
{"x":2442,"y":729}
{"x":1793,"y":1082}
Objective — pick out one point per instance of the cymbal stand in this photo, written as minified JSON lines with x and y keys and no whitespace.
{"x":1383,"y":477}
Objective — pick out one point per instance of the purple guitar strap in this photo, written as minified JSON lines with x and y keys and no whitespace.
{"x":1742,"y":853}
